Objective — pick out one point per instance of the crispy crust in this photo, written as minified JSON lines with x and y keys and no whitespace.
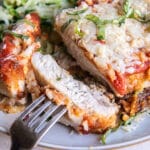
{"x":95,"y":123}
{"x":10,"y":73}
{"x":12,"y":67}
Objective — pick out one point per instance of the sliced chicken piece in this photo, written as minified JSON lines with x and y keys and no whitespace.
{"x":15,"y":51}
{"x":86,"y":112}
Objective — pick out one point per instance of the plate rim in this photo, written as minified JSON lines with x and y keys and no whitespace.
{"x":118,"y":145}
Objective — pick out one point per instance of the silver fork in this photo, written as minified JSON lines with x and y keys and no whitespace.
{"x":34,"y":123}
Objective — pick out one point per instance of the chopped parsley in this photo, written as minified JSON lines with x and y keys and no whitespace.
{"x":16,"y":34}
{"x":103,"y":137}
{"x":65,"y":25}
{"x":27,"y":22}
{"x":58,"y":78}
{"x":129,"y":12}
{"x":101,"y":24}
{"x":135,"y":14}
{"x":77,"y":12}
{"x":77,"y":30}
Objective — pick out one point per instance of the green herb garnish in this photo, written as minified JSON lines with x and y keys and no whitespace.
{"x":133,"y":13}
{"x":119,"y":20}
{"x":103,"y":137}
{"x":128,"y":122}
{"x":77,"y":12}
{"x":16,"y":34}
{"x":77,"y":30}
{"x":65,"y":25}
{"x":58,"y":78}
{"x":101,"y":24}
{"x":27,"y":22}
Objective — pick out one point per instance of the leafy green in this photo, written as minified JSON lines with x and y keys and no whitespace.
{"x":73,"y":2}
{"x":120,"y":20}
{"x":26,"y":21}
{"x":129,"y":12}
{"x":133,"y":13}
{"x":46,"y":47}
{"x":132,"y":118}
{"x":2,"y":28}
{"x":15,"y":3}
{"x":101,"y":33}
{"x":77,"y":30}
{"x":16,"y":34}
{"x":5,"y":16}
{"x":101,"y":24}
{"x":103,"y":137}
{"x":77,"y":12}
{"x":65,"y":25}
{"x":47,"y":9}
{"x":58,"y":78}
{"x":128,"y":122}
{"x":127,"y":8}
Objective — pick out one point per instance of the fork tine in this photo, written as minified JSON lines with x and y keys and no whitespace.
{"x":32,"y":106}
{"x":51,"y":123}
{"x":37,"y":113}
{"x":46,"y":116}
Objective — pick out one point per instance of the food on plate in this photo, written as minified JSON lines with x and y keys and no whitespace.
{"x":18,"y":44}
{"x":88,"y":111}
{"x":111,"y":41}
{"x":45,"y":9}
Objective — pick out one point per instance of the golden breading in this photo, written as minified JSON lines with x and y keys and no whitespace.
{"x":15,"y":51}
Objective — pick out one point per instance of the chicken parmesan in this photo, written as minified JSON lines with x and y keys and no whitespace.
{"x":111,"y":40}
{"x":89,"y":108}
{"x":18,"y":44}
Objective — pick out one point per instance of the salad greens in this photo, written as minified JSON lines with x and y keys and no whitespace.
{"x":14,"y":10}
{"x":47,"y":9}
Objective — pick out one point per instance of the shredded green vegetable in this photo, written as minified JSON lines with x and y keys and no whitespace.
{"x":101,"y":24}
{"x":16,"y":35}
{"x":47,"y":9}
{"x":103,"y":138}
{"x":129,"y":12}
{"x":65,"y":25}
{"x":77,"y":12}
{"x":77,"y":30}
{"x":135,"y":14}
{"x":26,"y":21}
{"x":105,"y":135}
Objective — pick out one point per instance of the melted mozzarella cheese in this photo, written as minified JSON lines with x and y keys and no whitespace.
{"x":122,"y":43}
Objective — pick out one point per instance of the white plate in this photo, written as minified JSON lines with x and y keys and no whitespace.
{"x":64,"y":138}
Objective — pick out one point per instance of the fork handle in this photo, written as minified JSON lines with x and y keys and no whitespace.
{"x":16,"y":146}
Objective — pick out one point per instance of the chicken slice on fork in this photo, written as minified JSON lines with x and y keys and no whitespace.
{"x":86,"y":113}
